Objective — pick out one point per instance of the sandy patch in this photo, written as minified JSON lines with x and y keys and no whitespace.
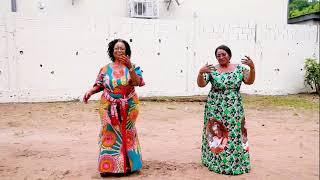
{"x":59,"y":141}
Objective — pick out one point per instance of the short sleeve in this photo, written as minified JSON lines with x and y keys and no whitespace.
{"x":99,"y":80}
{"x":244,"y":69}
{"x":245,"y":72}
{"x":139,"y":72}
{"x":206,"y":77}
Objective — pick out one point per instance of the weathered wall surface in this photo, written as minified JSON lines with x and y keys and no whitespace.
{"x":45,"y":56}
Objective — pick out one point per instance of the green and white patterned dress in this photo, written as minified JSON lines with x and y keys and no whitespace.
{"x":225,"y":148}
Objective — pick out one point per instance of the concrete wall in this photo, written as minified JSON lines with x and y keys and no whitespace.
{"x":271,"y":11}
{"x":54,"y":52}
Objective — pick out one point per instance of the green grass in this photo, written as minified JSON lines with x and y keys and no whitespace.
{"x":305,"y":101}
{"x":295,"y":101}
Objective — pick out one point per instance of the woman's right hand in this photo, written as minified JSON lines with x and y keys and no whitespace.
{"x":86,"y":96}
{"x":96,"y":88}
{"x":206,"y":68}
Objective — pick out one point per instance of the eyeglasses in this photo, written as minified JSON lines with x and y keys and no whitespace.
{"x":119,"y":49}
{"x":221,"y":55}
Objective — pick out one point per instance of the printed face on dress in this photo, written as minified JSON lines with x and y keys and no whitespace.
{"x":215,"y":130}
{"x":222,"y":57}
{"x":119,"y":49}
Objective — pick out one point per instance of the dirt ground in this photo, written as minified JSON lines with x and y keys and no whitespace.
{"x":59,"y":141}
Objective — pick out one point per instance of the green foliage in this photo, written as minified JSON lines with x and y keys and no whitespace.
{"x":303,"y":7}
{"x":298,"y":4}
{"x":312,"y":76}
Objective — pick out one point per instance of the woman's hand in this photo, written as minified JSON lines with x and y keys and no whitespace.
{"x":134,"y":78}
{"x":86,"y":96}
{"x":206,"y":68}
{"x":250,"y":76}
{"x":125,"y":60}
{"x":247,"y":61}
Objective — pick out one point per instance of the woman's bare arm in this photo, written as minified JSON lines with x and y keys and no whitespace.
{"x":200,"y":79}
{"x":250,"y":76}
{"x":95,"y":89}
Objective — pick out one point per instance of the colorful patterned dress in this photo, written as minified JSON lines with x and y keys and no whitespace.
{"x":119,"y":144}
{"x":225,"y":147}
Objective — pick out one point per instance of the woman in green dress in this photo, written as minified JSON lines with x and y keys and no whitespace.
{"x":225,"y":148}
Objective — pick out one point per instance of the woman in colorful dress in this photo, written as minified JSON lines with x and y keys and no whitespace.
{"x":119,"y":107}
{"x":224,"y":141}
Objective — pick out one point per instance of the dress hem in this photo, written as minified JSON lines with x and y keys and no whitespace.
{"x":232,"y":174}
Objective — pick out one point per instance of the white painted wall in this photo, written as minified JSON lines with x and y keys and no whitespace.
{"x":54,"y":53}
{"x":271,"y":11}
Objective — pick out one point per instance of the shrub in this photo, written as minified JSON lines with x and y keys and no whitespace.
{"x":312,"y":76}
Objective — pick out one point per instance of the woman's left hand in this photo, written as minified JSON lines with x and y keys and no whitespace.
{"x":248,"y":61}
{"x":126,"y":61}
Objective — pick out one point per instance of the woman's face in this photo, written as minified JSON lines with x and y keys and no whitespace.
{"x":219,"y":133}
{"x":216,"y":131}
{"x":119,"y":49}
{"x":222,"y":57}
